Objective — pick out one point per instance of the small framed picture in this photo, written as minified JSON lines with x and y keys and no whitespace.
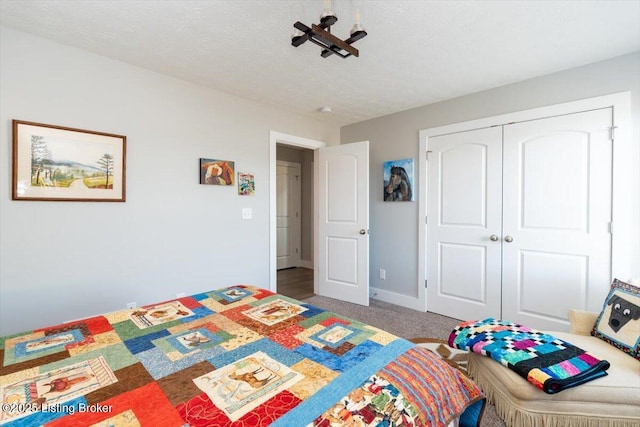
{"x":56,"y":163}
{"x":217,"y":172}
{"x":246,"y":184}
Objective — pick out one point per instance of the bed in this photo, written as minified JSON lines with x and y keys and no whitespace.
{"x":238,"y":356}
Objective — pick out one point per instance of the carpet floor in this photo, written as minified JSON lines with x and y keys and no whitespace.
{"x":405,"y":323}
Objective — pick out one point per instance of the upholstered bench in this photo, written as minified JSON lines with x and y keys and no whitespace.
{"x":613,"y":400}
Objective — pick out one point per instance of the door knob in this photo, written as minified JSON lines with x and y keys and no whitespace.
{"x":363,"y":231}
{"x":508,"y":239}
{"x":494,"y":238}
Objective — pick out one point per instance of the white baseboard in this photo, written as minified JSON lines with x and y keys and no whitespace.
{"x":306,"y":264}
{"x":397,"y":299}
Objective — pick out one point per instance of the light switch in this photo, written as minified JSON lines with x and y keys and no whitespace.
{"x":247,"y":213}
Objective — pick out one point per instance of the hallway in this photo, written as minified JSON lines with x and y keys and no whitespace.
{"x":296,"y":282}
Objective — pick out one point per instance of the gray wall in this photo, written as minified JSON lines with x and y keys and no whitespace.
{"x":394,"y":226}
{"x":65,"y":260}
{"x":305,"y":158}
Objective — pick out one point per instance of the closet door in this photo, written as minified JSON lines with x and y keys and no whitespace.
{"x":556,"y":217}
{"x":464,"y":224}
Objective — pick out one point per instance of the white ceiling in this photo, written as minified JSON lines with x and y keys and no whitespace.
{"x":416,"y":52}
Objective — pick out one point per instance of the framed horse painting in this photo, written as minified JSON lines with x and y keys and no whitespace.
{"x":398,"y":180}
{"x":217,"y":172}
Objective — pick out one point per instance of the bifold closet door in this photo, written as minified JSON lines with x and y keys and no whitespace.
{"x":464,"y":224}
{"x":556,"y":217}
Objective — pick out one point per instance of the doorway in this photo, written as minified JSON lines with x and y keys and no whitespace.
{"x":294,"y":221}
{"x":341,"y":187}
{"x":277,"y":139}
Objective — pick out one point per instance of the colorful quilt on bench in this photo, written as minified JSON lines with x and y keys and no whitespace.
{"x":547,"y":362}
{"x":239,"y":356}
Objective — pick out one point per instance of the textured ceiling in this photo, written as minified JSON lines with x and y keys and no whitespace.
{"x":416,"y":52}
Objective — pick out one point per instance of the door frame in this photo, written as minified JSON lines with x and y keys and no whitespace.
{"x":622,"y":250}
{"x":296,"y":141}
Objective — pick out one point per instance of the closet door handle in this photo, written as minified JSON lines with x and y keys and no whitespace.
{"x":494,"y":238}
{"x":508,"y":239}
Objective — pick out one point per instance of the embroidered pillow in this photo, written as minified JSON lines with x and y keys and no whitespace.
{"x":619,"y":322}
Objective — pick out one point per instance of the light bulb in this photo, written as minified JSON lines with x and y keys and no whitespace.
{"x":357,"y":27}
{"x":327,"y":12}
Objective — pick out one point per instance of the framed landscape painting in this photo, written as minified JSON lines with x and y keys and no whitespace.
{"x":56,"y":163}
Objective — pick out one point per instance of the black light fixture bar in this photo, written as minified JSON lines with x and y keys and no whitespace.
{"x":320,"y":35}
{"x":354,"y":38}
{"x":330,"y":41}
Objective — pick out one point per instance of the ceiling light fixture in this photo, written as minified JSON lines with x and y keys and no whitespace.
{"x":321,"y":35}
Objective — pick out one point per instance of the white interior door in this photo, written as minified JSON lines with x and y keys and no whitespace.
{"x":464,"y":224}
{"x":557,"y":212}
{"x":343,"y":222}
{"x":288,"y":208}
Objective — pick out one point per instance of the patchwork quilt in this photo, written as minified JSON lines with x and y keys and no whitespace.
{"x":547,"y":362}
{"x":238,"y":356}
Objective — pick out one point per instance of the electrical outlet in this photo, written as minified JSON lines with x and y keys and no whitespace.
{"x":132,"y":305}
{"x":382,"y":274}
{"x":180,"y":295}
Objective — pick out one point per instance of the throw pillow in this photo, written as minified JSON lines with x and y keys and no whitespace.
{"x":619,"y":321}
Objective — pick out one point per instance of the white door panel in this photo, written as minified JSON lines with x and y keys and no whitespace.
{"x":543,"y":267}
{"x":459,"y":266}
{"x":464,"y":179}
{"x":343,"y":261}
{"x":557,"y":209}
{"x":462,"y":200}
{"x":288,"y":207}
{"x":343,"y":222}
{"x":342,"y":179}
{"x":564,"y":157}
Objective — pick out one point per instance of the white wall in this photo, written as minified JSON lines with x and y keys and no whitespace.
{"x":64,"y":260}
{"x":394,"y":226}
